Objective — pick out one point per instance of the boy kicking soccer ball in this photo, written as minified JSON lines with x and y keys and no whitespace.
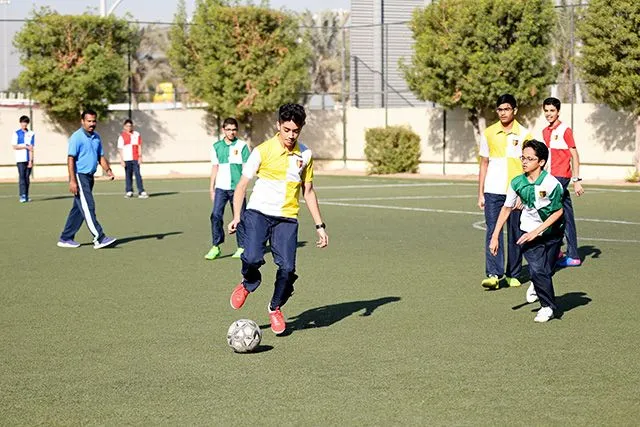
{"x":541,"y":222}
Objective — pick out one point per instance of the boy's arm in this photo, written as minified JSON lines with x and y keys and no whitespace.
{"x":575,"y":171}
{"x":311,"y":200}
{"x":238,"y":200}
{"x":484,"y":165}
{"x":212,"y":182}
{"x":527,"y":237}
{"x":502,"y":218}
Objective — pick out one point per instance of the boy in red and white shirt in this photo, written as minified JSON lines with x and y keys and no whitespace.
{"x":562,"y":150}
{"x":130,"y":149}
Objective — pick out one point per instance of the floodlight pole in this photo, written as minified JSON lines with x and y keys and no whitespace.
{"x":103,"y":7}
{"x":5,"y":3}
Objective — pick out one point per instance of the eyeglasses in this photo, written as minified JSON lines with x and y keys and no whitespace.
{"x":231,"y":129}
{"x":528,"y":159}
{"x":504,"y":110}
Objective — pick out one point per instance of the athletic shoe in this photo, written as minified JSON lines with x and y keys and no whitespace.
{"x":213,"y":253}
{"x":276,"y":318}
{"x":106,"y":241}
{"x":238,"y":296}
{"x":492,"y":282}
{"x":569,"y":262}
{"x":513,"y":282}
{"x":544,"y":314}
{"x":143,"y":195}
{"x":68,"y":243}
{"x":237,"y":253}
{"x":128,"y":194}
{"x":24,"y":199}
{"x":532,"y":296}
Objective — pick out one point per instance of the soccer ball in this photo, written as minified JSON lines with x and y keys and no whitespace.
{"x":244,"y":335}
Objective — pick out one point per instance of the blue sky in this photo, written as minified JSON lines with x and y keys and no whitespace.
{"x":141,"y":10}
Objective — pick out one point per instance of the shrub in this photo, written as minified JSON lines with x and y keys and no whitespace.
{"x":392,"y":150}
{"x":633,"y":176}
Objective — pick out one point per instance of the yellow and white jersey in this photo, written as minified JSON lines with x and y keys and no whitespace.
{"x":281,"y":174}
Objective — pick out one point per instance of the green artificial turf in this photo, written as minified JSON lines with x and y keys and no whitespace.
{"x":388,"y":326}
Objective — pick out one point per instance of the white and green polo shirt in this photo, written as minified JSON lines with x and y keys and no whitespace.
{"x":229,"y":158}
{"x":540,"y":199}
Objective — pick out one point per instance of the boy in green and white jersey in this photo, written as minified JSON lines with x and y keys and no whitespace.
{"x":228,"y":156}
{"x":541,"y":222}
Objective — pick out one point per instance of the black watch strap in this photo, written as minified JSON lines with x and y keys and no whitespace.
{"x":319,"y":226}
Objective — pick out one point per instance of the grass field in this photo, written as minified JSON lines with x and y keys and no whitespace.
{"x":388,"y":326}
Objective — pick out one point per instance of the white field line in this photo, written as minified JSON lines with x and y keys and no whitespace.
{"x":480,"y":225}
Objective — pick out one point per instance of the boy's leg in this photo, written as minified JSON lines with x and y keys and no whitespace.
{"x":494,"y":265}
{"x":217,"y":217}
{"x":570,"y":232}
{"x":257,"y":229}
{"x":537,"y":254}
{"x":136,"y":172}
{"x":88,"y":205}
{"x":514,"y":251}
{"x":22,"y":178}
{"x":27,"y":179}
{"x":284,"y":243}
{"x":128,"y":176}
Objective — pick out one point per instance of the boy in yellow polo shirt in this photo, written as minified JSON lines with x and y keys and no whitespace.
{"x":500,"y":152}
{"x":284,"y":168}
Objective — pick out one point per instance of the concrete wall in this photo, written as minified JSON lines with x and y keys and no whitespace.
{"x":178,"y":141}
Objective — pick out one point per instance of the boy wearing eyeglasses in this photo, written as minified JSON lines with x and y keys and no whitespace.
{"x":500,"y":151}
{"x":541,"y":222}
{"x":228,"y":156}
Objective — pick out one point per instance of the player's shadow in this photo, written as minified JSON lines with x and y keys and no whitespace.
{"x":158,"y":236}
{"x":589,"y":252}
{"x":45,"y":199}
{"x":327,"y":315}
{"x":163,"y":193}
{"x":566,"y":302}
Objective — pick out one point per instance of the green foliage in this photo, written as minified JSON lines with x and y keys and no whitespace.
{"x":393,"y":149}
{"x":633,"y":176}
{"x":74,"y":62}
{"x":469,"y":53}
{"x":241,"y":60}
{"x":610,"y":52}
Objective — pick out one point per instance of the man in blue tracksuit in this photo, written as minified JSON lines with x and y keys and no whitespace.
{"x":85,"y":152}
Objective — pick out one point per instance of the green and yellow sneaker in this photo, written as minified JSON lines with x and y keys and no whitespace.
{"x":513,"y":282}
{"x":213,"y":253}
{"x":492,"y":282}
{"x":237,"y":253}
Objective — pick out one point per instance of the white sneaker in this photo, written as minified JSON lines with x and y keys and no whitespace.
{"x":128,"y":194}
{"x":531,"y":294}
{"x":544,"y":314}
{"x":143,"y":195}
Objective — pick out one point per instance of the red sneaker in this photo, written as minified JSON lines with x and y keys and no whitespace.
{"x":276,"y":318}
{"x":238,"y":296}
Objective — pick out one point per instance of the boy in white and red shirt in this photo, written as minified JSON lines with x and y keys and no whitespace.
{"x":562,"y":150}
{"x":130,"y":149}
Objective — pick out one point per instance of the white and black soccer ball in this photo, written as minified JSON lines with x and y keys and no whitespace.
{"x":244,"y":335}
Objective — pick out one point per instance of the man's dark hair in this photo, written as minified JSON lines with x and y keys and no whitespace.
{"x":539,"y":147}
{"x":507,"y":98}
{"x":230,"y":121}
{"x":88,"y":112}
{"x":551,"y":101}
{"x":24,"y":119}
{"x":127,"y":121}
{"x":292,"y":113}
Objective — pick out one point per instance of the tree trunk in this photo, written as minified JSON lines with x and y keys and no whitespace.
{"x":479,"y":123}
{"x":637,"y":155}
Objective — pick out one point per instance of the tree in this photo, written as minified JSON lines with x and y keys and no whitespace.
{"x":466,"y":54}
{"x":74,"y":62}
{"x":324,"y":33}
{"x":240,"y":60}
{"x":610,"y":56}
{"x":150,"y":63}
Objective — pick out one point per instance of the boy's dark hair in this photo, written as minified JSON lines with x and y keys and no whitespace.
{"x":24,"y":119}
{"x":539,"y":147}
{"x":230,"y":121}
{"x":127,"y":121}
{"x":552,"y":101}
{"x":88,"y":112}
{"x":507,"y":98}
{"x":292,"y":112}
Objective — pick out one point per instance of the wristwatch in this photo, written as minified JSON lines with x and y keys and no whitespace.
{"x":319,"y":226}
{"x":576,"y":179}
